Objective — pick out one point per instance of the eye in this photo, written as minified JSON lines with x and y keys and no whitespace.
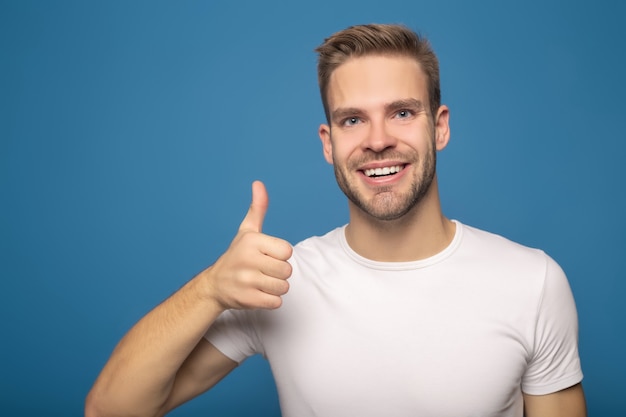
{"x":351,"y":121}
{"x":403,"y":114}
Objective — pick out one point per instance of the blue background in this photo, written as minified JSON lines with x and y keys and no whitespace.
{"x":130,"y":133}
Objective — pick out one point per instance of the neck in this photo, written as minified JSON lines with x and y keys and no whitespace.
{"x":421,"y":233}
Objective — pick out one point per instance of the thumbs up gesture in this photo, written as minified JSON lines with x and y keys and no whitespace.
{"x":253,"y":272}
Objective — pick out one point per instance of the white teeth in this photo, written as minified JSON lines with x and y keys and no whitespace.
{"x":383,"y":171}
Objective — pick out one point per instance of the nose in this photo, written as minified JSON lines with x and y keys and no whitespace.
{"x":378,"y":137}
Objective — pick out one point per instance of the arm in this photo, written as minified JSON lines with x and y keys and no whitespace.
{"x":164,"y":360}
{"x":569,"y":402}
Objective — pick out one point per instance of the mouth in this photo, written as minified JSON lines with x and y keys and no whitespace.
{"x":383,"y":171}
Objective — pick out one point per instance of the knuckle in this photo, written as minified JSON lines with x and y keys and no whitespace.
{"x":279,"y":287}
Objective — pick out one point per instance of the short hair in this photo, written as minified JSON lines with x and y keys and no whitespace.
{"x":377,"y":39}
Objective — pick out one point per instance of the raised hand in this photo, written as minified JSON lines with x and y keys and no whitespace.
{"x":253,"y":272}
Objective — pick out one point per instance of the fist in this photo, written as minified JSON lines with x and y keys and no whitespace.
{"x":253,"y":272}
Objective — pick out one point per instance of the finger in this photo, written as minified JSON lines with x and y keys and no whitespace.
{"x":275,"y":247}
{"x":256,"y":213}
{"x":273,"y":286}
{"x":274,"y":268}
{"x":269,"y":302}
{"x":258,"y":298}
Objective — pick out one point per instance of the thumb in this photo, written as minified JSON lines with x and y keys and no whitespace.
{"x":256,"y":214}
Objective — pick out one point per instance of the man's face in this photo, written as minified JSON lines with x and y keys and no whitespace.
{"x":382,"y":139}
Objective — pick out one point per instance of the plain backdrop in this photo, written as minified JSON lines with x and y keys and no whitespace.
{"x":130,"y":133}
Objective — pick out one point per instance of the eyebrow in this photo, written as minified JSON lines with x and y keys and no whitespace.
{"x":344,"y":112}
{"x":409,"y":103}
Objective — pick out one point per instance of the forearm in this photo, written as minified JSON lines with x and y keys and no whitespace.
{"x":140,"y":374}
{"x":139,"y":378}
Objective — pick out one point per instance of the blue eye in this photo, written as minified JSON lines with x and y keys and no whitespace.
{"x":351,"y":121}
{"x":403,"y":114}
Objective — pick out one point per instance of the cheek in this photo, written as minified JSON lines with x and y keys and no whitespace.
{"x":349,"y":141}
{"x":422,"y":142}
{"x":342,"y":155}
{"x":337,"y":150}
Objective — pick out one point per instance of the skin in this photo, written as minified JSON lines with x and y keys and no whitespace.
{"x":164,"y":360}
{"x":380,"y":118}
{"x":568,"y":402}
{"x":367,"y":129}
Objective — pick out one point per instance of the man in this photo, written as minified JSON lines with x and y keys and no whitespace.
{"x":402,"y":312}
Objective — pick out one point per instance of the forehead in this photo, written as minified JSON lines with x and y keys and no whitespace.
{"x":374,"y":80}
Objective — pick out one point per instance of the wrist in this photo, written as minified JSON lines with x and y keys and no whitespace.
{"x":202,"y":286}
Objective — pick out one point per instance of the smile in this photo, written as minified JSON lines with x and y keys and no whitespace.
{"x":381,"y":172}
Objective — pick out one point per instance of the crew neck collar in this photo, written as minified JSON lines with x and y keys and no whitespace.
{"x":400,"y":266}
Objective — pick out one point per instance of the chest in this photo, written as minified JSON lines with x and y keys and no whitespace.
{"x":408,"y":346}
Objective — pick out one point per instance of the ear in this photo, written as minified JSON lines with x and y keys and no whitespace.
{"x":327,"y":146}
{"x":442,"y":127}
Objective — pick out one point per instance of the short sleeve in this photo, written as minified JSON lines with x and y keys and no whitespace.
{"x":554,"y":363}
{"x":233,"y":334}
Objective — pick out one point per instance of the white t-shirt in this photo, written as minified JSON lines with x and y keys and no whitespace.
{"x":462,"y":333}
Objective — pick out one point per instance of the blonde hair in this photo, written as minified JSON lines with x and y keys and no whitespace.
{"x":377,"y":39}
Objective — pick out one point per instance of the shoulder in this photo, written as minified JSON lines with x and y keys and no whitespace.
{"x":483,"y":244}
{"x":515,"y":265}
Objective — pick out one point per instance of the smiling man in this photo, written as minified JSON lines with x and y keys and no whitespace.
{"x":401,"y":312}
